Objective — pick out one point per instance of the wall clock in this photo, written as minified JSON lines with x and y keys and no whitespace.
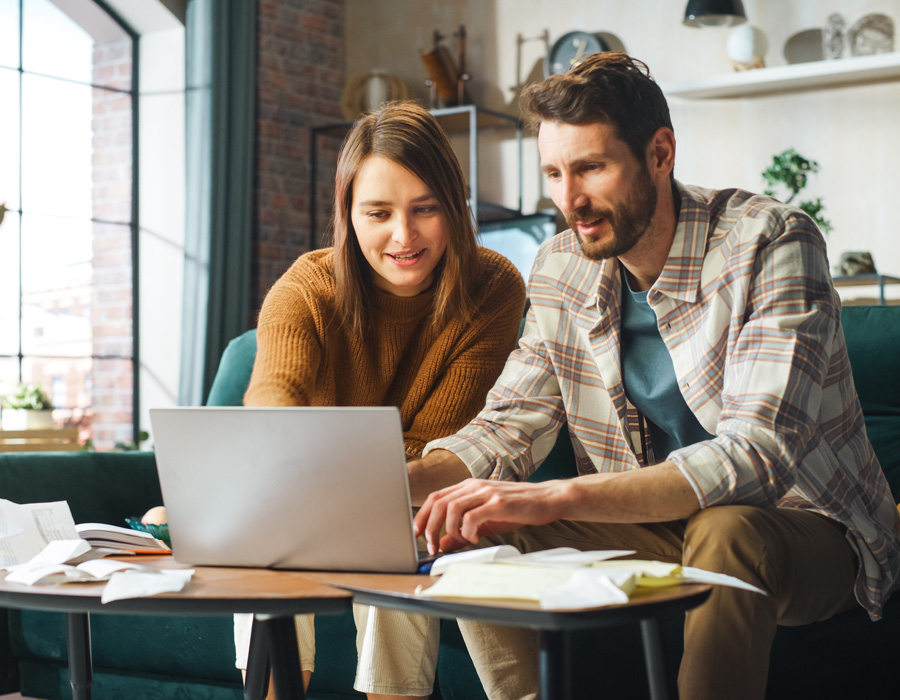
{"x":570,"y":50}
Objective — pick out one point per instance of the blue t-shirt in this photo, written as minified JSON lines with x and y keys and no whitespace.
{"x":649,"y":378}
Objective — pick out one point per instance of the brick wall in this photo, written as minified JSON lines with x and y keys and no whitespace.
{"x":111,"y":299}
{"x":300,"y":77}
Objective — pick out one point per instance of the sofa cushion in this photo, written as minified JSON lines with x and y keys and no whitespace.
{"x":233,"y":375}
{"x":873,"y":336}
{"x":100,"y":487}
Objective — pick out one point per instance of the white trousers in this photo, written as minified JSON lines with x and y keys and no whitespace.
{"x":397,"y":651}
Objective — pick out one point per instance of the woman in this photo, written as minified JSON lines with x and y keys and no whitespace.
{"x":404,"y":310}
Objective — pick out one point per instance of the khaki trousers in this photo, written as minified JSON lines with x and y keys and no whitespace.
{"x":802,"y":559}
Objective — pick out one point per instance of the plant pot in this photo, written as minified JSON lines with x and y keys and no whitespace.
{"x":26,"y":419}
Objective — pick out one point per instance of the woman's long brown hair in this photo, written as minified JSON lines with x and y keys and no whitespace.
{"x":410,"y":136}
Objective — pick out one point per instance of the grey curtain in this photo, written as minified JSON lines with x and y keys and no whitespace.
{"x":221,"y":66}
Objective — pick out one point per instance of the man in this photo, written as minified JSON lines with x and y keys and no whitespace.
{"x":692,"y":341}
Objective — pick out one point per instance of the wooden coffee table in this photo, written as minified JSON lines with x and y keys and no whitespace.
{"x":275,"y":596}
{"x":647,"y":608}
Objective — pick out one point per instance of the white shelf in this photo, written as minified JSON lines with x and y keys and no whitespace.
{"x":799,"y":76}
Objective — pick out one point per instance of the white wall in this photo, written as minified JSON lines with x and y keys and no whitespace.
{"x":162,"y":202}
{"x":161,"y":195}
{"x":850,"y":131}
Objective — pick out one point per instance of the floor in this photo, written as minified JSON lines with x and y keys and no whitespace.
{"x":15,"y":696}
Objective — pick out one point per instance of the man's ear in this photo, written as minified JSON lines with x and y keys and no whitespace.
{"x":661,"y":152}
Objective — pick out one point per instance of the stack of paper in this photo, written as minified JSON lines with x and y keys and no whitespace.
{"x":559,"y":579}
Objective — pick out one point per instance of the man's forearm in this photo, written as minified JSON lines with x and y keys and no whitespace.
{"x":436,"y":470}
{"x":652,"y":494}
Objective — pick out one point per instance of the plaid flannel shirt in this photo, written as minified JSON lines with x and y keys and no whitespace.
{"x":747,"y":310}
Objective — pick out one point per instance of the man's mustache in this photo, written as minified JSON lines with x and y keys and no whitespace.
{"x":586,"y":216}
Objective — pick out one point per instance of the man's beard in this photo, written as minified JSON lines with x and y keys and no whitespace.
{"x":629,"y":220}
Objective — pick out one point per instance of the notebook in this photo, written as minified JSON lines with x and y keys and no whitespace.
{"x":286,"y":488}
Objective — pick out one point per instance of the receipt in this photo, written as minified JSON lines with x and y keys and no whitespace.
{"x":129,"y":584}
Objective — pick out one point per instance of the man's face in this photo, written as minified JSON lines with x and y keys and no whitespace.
{"x":605,"y":193}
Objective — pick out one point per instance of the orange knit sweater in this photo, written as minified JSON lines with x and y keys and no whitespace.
{"x":437,"y":377}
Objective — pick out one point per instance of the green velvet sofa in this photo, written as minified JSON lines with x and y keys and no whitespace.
{"x":192,"y":657}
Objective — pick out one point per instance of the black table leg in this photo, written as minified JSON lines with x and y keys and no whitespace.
{"x":281,"y":641}
{"x":659,"y":676}
{"x":555,"y":661}
{"x":78,"y":632}
{"x":256,"y":683}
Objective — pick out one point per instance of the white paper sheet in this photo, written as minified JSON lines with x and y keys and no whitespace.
{"x":490,"y":580}
{"x":473,"y":556}
{"x":562,"y":579}
{"x":568,"y":557}
{"x":127,"y":584}
{"x":589,"y":588}
{"x":26,"y":529}
{"x":693,"y":575}
{"x":48,"y":572}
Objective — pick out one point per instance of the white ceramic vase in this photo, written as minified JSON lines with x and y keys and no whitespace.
{"x":26,"y":419}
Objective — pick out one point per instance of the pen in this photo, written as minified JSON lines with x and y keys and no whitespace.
{"x":426,"y":567}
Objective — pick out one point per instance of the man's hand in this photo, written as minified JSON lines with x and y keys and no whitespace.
{"x":475,"y":508}
{"x":434,"y":471}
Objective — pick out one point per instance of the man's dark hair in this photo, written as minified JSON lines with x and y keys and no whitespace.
{"x":608,"y":87}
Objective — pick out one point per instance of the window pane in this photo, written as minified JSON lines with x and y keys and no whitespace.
{"x":67,"y":383}
{"x":79,"y":43}
{"x":56,"y":286}
{"x":56,"y":147}
{"x":111,"y":169}
{"x":9,"y":33}
{"x":53,"y":43}
{"x":9,"y":374}
{"x":9,"y":285}
{"x":111,"y":291}
{"x":112,"y":390}
{"x":9,"y":378}
{"x":112,"y":60}
{"x":9,"y":137}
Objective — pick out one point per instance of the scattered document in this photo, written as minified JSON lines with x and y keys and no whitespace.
{"x":490,"y":580}
{"x":41,"y":545}
{"x":507,"y":554}
{"x":693,"y":575}
{"x":567,"y":557}
{"x":589,"y":588}
{"x":93,"y":571}
{"x":26,"y":529}
{"x":138,"y":584}
{"x":474,"y":556}
{"x":560,"y":579}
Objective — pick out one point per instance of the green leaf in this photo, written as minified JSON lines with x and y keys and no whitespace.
{"x":28,"y":396}
{"x":790,"y":172}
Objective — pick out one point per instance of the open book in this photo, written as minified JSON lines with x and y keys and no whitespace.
{"x":126,"y":539}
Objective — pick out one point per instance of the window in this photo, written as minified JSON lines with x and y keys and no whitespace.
{"x":66,"y":244}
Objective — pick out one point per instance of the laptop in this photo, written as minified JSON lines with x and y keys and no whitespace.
{"x":286,"y":488}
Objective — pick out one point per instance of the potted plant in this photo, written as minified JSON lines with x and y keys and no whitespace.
{"x":791,"y":170}
{"x":27,"y":408}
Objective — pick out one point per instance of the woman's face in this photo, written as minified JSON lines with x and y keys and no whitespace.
{"x":400,"y":225}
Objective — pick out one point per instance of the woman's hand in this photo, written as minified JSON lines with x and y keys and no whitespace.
{"x":155,"y":516}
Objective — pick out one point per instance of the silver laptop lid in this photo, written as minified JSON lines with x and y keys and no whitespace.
{"x":286,"y":488}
